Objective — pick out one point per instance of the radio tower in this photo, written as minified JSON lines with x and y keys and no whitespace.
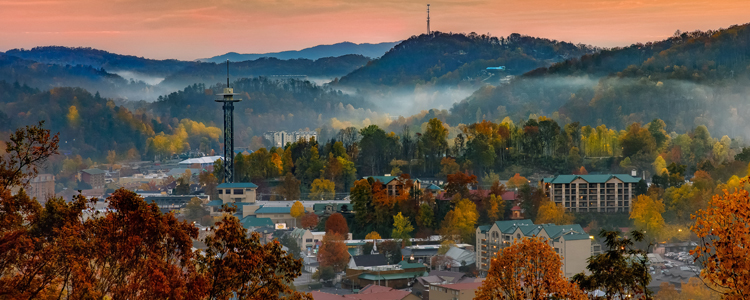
{"x":428,"y":19}
{"x":228,"y":100}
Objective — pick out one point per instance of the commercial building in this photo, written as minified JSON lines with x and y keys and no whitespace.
{"x":394,"y":186}
{"x":93,"y":177}
{"x":591,"y":193}
{"x":569,"y":241}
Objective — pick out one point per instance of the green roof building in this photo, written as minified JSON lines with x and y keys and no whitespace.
{"x":591,"y":193}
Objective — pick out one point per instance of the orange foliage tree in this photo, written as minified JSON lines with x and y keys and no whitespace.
{"x":529,"y":269}
{"x":239,"y":266}
{"x":333,"y":252}
{"x":337,"y":224}
{"x":724,"y":233}
{"x":517,"y":181}
{"x":309,"y":220}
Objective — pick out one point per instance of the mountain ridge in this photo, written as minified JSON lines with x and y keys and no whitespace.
{"x":313,"y":53}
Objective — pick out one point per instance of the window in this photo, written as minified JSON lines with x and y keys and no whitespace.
{"x":518,"y":235}
{"x":221,"y":191}
{"x":238,"y":191}
{"x":308,"y":240}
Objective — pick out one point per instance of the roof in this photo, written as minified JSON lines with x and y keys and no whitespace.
{"x":370,"y":260}
{"x":374,"y":288}
{"x":273,"y":210}
{"x":215,"y":203}
{"x":389,"y":295}
{"x":93,"y":171}
{"x":509,"y":226}
{"x":317,"y":295}
{"x":484,"y":228}
{"x":463,"y":286}
{"x":460,"y":256}
{"x":449,"y":276}
{"x":404,"y":275}
{"x":251,"y":221}
{"x":591,"y":178}
{"x":433,"y":187}
{"x":247,"y":185}
{"x":383,"y":179}
{"x":407,"y":265}
{"x":201,"y":160}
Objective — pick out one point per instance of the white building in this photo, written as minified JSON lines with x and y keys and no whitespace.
{"x":281,"y":138}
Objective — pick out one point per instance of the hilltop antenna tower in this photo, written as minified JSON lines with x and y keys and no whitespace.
{"x":428,"y":19}
{"x":228,"y":100}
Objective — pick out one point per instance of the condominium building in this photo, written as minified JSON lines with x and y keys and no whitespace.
{"x":569,"y":241}
{"x":281,"y":138}
{"x":591,"y":193}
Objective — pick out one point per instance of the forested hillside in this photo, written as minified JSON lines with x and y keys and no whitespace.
{"x":100,"y":59}
{"x":448,"y":58}
{"x":211,"y":73}
{"x":267,"y":104}
{"x":691,"y":79}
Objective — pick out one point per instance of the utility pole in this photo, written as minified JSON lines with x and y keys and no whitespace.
{"x":228,"y":100}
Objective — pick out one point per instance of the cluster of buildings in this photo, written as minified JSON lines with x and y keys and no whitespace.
{"x":281,"y":138}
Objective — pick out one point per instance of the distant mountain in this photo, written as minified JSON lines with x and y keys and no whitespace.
{"x":211,"y":73}
{"x":448,"y":58}
{"x":100,"y":59}
{"x":693,"y":78}
{"x":313,"y":53}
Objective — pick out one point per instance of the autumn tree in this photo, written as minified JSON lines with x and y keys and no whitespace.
{"x":724,"y":234}
{"x":309,"y":220}
{"x":401,"y":228}
{"x":448,"y":166}
{"x":231,"y":265}
{"x":333,"y":252}
{"x":209,"y":183}
{"x":549,"y":212}
{"x":373,"y":236}
{"x":322,"y":189}
{"x":459,"y":223}
{"x":668,"y":292}
{"x":495,"y":208}
{"x":647,"y":215}
{"x":459,"y":184}
{"x":529,"y":269}
{"x":621,"y":270}
{"x":517,"y":181}
{"x":289,"y":188}
{"x":426,"y":216}
{"x":297,"y":210}
{"x":336,"y":224}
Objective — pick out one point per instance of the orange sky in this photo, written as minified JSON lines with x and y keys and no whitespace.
{"x":191,"y":29}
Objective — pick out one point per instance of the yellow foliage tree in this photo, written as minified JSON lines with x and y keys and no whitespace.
{"x":529,"y":269}
{"x":549,"y":212}
{"x":459,"y":222}
{"x":74,"y":118}
{"x":697,"y":289}
{"x":659,"y":165}
{"x":373,"y":236}
{"x":724,"y":233}
{"x":495,"y":208}
{"x":297,"y":210}
{"x":322,"y":189}
{"x":646,"y":214}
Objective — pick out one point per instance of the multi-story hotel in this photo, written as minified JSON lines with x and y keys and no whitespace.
{"x":569,"y":241}
{"x":591,"y":193}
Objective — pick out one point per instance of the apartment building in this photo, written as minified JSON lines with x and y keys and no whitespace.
{"x":281,"y":138}
{"x":569,"y":241}
{"x":591,"y":193}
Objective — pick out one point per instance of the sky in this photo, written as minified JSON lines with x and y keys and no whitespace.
{"x":193,"y":29}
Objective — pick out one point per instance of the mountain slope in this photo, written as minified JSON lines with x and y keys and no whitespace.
{"x":100,"y":59}
{"x":690,"y":79}
{"x":447,"y":58}
{"x":313,"y":53}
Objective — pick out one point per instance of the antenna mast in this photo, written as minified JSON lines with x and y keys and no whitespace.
{"x":428,"y":18}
